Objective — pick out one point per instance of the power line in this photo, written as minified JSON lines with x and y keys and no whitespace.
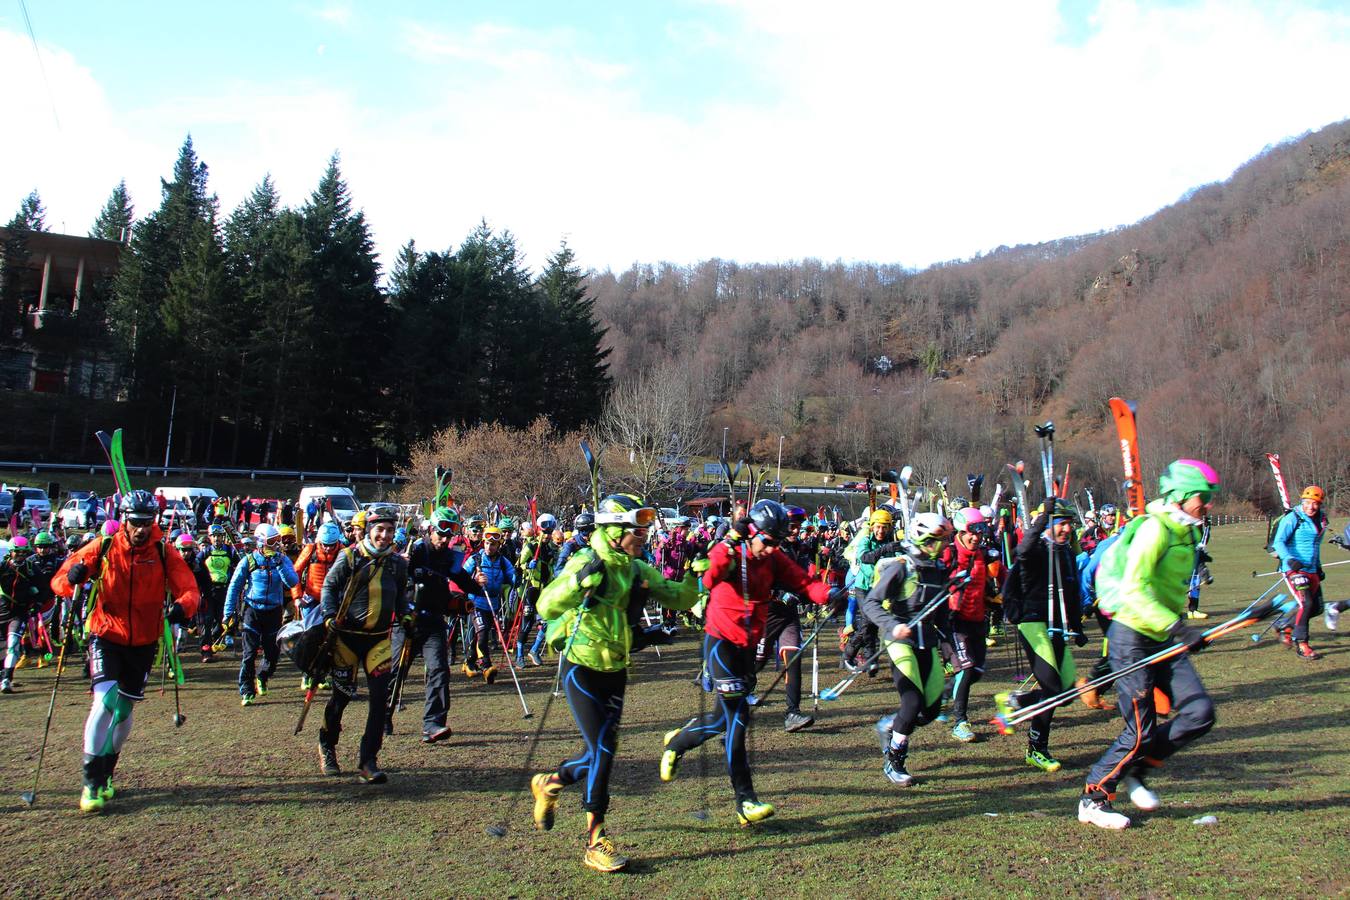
{"x":51,"y":99}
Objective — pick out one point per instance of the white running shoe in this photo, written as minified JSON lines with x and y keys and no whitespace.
{"x":1332,"y":616}
{"x":1139,"y":794}
{"x":1100,"y":813}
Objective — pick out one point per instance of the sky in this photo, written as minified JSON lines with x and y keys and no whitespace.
{"x":643,"y":132}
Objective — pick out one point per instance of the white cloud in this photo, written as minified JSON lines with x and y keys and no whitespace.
{"x":339,"y":14}
{"x":892,"y":132}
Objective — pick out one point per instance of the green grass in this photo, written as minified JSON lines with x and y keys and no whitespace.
{"x":233,"y":803}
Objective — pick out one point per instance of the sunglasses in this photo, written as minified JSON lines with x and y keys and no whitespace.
{"x":767,"y":541}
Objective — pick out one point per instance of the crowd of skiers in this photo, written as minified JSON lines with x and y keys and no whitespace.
{"x":922,"y":594}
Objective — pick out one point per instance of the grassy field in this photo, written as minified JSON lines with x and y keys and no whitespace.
{"x":232,"y":803}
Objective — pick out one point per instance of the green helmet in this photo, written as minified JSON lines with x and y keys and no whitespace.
{"x":44,"y":539}
{"x":475,"y":523}
{"x":506,"y":523}
{"x":444,"y":518}
{"x":620,"y":511}
{"x":1185,"y":478}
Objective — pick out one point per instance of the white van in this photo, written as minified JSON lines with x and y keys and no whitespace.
{"x":342,"y":499}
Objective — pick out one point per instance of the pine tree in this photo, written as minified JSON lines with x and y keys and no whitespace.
{"x":160,"y":245}
{"x":31,"y":217}
{"x":115,"y":221}
{"x":580,"y":374}
{"x":350,"y":319}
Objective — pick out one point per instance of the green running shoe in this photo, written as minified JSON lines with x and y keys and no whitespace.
{"x":751,"y":811}
{"x":91,"y":800}
{"x":1038,"y":759}
{"x":963,"y":733}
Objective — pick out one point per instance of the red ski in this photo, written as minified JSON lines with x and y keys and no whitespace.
{"x":1274,"y":460}
{"x":1123,"y":412}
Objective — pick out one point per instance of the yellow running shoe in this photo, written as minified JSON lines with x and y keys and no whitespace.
{"x":670,"y":759}
{"x":602,"y":856}
{"x":748,"y":812}
{"x":545,"y":800}
{"x":91,"y":800}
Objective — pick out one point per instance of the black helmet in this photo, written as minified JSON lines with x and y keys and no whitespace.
{"x":384,"y":513}
{"x":139,"y":508}
{"x":771,"y":518}
{"x":584,"y":522}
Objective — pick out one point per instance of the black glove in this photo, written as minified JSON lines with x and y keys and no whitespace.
{"x":647,"y":637}
{"x":77,"y":573}
{"x":742,"y":527}
{"x":1193,"y":639}
{"x":1204,"y":557}
{"x":586,"y":576}
{"x":838,"y":601}
{"x":175,"y":615}
{"x":1080,"y":640}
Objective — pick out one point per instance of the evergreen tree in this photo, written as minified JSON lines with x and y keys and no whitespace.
{"x":160,"y":245}
{"x":114,"y":222}
{"x":580,"y":374}
{"x":350,"y":322}
{"x":31,"y":217}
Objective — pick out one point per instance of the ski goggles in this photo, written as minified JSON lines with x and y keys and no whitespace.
{"x":447,"y":527}
{"x":642,"y":517}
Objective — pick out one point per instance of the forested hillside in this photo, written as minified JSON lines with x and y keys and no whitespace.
{"x":1224,"y":315}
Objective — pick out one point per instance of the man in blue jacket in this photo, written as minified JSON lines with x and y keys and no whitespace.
{"x":494,"y":574}
{"x":260,"y":585}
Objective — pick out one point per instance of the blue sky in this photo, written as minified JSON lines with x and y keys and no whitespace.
{"x":755,"y":130}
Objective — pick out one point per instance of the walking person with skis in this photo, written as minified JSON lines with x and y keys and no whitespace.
{"x":491,"y":573}
{"x":1042,"y":600}
{"x":969,"y":623}
{"x":906,"y":585}
{"x":1141,"y":583}
{"x":743,"y":574}
{"x":126,"y":624}
{"x":1298,"y":544}
{"x":219,"y":559}
{"x":370,"y":581}
{"x":439,"y":588}
{"x":536,"y":569}
{"x":257,"y":595}
{"x":588,"y":609}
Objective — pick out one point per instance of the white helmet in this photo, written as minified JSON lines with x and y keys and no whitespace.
{"x":265,"y":532}
{"x":546,"y":522}
{"x":929,"y":526}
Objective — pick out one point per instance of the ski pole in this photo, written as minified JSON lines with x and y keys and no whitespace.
{"x":30,"y":797}
{"x":1286,"y":607}
{"x":834,"y":693}
{"x":510,"y":663}
{"x":498,"y":830}
{"x":1252,"y":614}
{"x":1278,"y":572}
{"x":810,"y":641}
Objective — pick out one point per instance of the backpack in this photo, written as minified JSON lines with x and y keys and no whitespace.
{"x":1111,"y":568}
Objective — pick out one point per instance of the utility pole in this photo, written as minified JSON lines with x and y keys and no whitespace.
{"x":168,"y":444}
{"x":780,"y":463}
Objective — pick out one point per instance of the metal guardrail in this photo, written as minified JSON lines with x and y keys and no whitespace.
{"x":205,"y":472}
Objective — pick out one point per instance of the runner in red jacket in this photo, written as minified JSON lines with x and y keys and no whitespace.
{"x":138,"y":582}
{"x":743,"y":573}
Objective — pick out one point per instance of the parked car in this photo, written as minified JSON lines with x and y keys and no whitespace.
{"x":179,"y":515}
{"x":72,"y":518}
{"x":6,"y":507}
{"x":34,"y":499}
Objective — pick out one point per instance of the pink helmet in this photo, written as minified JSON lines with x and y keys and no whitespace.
{"x":111,"y":527}
{"x":966,"y":519}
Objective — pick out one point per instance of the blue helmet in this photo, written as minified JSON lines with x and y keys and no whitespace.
{"x":329,"y":534}
{"x":401,"y":536}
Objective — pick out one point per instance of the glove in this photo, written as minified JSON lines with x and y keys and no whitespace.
{"x":700,"y":565}
{"x":838,"y":602}
{"x":77,"y":573}
{"x":532,"y":564}
{"x":419,"y":576}
{"x":329,"y":624}
{"x":1080,"y":640}
{"x":650,"y":636}
{"x":1193,"y":639}
{"x":592,"y":575}
{"x":176,"y":615}
{"x":407,"y":622}
{"x":1204,"y":557}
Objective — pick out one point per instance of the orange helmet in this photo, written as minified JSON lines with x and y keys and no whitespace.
{"x":1313,"y":492}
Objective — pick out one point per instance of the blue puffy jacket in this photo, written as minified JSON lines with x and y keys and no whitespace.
{"x":1299,"y":539}
{"x":500,"y":575}
{"x":263,"y":582}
